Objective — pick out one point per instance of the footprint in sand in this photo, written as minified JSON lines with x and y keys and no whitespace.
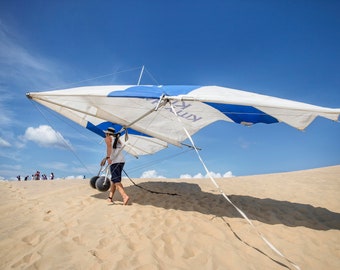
{"x":95,"y":254}
{"x":104,"y":242}
{"x":49,"y":216}
{"x":188,"y":253}
{"x":77,"y":239}
{"x":168,"y":245}
{"x":27,"y":260}
{"x":72,"y":223}
{"x":32,"y":239}
{"x":65,"y":232}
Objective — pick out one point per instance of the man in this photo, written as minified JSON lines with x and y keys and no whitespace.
{"x":115,"y":158}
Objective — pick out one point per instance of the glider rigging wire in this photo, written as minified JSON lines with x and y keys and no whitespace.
{"x":98,"y":77}
{"x":225,"y":196}
{"x":67,"y":146}
{"x":111,"y":74}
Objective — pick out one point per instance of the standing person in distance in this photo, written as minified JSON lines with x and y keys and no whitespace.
{"x":115,"y":158}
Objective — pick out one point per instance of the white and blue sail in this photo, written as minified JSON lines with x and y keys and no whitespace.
{"x":146,"y":113}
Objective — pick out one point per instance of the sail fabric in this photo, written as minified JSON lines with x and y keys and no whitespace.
{"x":146,"y":111}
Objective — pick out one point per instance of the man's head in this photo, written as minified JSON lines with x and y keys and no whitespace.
{"x":110,"y":131}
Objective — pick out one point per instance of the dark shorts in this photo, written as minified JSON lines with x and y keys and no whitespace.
{"x":116,"y":172}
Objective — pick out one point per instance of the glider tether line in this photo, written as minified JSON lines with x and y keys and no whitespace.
{"x":61,"y":137}
{"x":222,"y":192}
{"x":151,"y":191}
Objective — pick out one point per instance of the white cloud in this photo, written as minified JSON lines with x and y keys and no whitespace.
{"x":228,"y":174}
{"x":151,"y":174}
{"x":74,"y":177}
{"x":185,"y":176}
{"x":46,"y":136}
{"x":212,"y":174}
{"x":154,"y":174}
{"x":4,"y":143}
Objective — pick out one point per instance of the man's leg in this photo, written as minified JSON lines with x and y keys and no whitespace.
{"x":122,"y":192}
{"x":112,"y":192}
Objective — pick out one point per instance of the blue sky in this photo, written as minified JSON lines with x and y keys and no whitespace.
{"x":288,"y":49}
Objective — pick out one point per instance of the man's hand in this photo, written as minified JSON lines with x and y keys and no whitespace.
{"x":102,"y":163}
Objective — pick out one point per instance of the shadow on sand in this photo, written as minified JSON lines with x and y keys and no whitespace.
{"x":191,"y":198}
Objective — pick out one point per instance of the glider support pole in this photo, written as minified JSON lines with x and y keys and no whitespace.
{"x":140,"y":76}
{"x":160,"y":103}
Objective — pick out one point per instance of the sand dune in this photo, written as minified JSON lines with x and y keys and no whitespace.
{"x":65,"y":224}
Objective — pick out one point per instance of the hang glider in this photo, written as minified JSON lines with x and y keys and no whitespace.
{"x":154,"y":116}
{"x":149,"y":114}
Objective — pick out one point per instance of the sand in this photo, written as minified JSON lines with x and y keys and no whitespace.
{"x":66,"y":224}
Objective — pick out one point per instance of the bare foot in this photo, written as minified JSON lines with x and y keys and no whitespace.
{"x":126,"y":200}
{"x":109,"y":200}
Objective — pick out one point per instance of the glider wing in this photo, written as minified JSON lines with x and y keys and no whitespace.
{"x":146,"y":112}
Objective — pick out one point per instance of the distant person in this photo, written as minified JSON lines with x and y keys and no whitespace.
{"x":19,"y":178}
{"x":52,"y":176}
{"x":115,"y":158}
{"x":37,"y":175}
